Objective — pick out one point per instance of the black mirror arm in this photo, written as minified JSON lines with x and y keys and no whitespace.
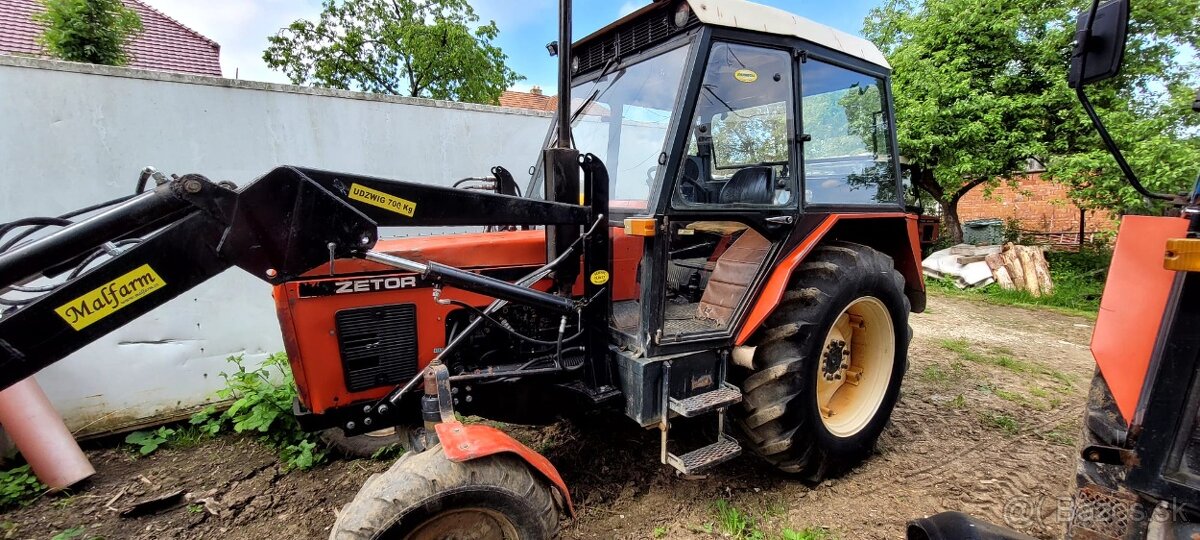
{"x":1111,"y":145}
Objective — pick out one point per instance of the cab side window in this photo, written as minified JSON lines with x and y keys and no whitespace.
{"x":739,"y":149}
{"x":848,"y":152}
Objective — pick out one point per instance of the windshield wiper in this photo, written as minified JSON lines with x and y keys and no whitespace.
{"x":598,"y":92}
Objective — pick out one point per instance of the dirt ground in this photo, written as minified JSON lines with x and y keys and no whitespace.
{"x":986,"y":424}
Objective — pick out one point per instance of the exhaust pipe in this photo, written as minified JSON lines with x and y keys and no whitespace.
{"x":959,"y":526}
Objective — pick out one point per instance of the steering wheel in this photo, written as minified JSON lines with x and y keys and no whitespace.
{"x":700,"y":192}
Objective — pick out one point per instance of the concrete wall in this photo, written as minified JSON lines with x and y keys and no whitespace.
{"x":73,"y":135}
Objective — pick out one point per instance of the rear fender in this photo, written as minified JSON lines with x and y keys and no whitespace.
{"x":893,"y":233}
{"x":463,"y":443}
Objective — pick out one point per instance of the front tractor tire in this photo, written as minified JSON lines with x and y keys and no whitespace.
{"x":828,"y":364}
{"x":425,"y":496}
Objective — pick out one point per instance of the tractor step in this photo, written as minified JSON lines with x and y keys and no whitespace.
{"x":699,"y":460}
{"x":724,"y":396}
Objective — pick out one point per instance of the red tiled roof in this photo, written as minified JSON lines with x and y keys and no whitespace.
{"x":164,"y":43}
{"x":526,"y":100}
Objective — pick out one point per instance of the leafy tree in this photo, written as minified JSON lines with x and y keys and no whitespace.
{"x":419,"y":48}
{"x":92,"y":31}
{"x":980,"y":87}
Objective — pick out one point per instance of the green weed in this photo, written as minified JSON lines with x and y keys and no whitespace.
{"x":1002,"y":422}
{"x":959,"y":402}
{"x":810,"y":533}
{"x":19,"y":487}
{"x":660,"y":532}
{"x":737,"y":524}
{"x":934,"y":374}
{"x":69,"y":534}
{"x":260,"y":405}
{"x":195,"y":508}
{"x":147,"y":442}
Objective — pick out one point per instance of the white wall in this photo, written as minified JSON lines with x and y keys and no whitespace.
{"x":73,"y":135}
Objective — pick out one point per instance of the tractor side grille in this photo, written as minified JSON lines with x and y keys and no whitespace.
{"x":638,"y":35}
{"x":378,"y":345}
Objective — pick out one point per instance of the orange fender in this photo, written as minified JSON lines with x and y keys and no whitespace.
{"x":463,"y":443}
{"x":906,"y":253}
{"x":1131,"y":311}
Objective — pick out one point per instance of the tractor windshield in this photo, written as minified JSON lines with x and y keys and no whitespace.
{"x":623,"y":118}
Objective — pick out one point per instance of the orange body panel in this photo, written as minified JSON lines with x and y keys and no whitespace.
{"x":1131,"y":310}
{"x":308,"y":324}
{"x":777,"y":282}
{"x":464,"y":443}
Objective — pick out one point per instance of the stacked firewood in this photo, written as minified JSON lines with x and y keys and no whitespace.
{"x":1021,"y":268}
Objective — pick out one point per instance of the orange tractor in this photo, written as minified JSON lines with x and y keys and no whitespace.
{"x":717,"y":229}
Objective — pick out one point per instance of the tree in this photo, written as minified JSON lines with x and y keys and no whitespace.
{"x":92,"y":31}
{"x":980,"y":87}
{"x":419,"y":48}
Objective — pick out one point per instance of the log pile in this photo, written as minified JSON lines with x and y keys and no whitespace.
{"x":1021,"y":268}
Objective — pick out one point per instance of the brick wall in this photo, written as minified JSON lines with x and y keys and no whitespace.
{"x":1041,"y":206}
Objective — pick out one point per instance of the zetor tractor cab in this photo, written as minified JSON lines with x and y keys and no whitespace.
{"x":737,"y":249}
{"x":1138,"y":470}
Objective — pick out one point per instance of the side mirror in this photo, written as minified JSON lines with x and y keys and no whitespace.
{"x":1099,"y":43}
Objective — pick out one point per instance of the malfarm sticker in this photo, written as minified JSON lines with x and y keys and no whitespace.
{"x":599,"y":277}
{"x":745,"y":75}
{"x":110,"y":297}
{"x":382,"y":200}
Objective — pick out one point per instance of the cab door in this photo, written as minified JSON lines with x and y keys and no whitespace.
{"x":733,"y":200}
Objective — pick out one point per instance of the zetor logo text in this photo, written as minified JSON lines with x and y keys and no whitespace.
{"x":110,"y":297}
{"x":374,"y":285}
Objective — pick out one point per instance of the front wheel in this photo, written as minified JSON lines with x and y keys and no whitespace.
{"x":830,"y":359}
{"x":426,"y":496}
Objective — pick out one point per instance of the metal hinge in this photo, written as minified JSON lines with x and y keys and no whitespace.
{"x":801,"y":54}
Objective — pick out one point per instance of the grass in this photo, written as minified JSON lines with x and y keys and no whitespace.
{"x":934,"y":373}
{"x":811,"y":533}
{"x":741,"y":525}
{"x":1002,"y":358}
{"x":1078,"y":284}
{"x":1001,"y":422}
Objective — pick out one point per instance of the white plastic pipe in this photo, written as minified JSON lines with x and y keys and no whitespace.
{"x":39,"y":432}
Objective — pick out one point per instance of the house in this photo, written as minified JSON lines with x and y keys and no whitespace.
{"x":164,"y":43}
{"x":533,"y":99}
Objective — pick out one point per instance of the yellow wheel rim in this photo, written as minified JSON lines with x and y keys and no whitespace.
{"x":855,"y":366}
{"x":465,"y":524}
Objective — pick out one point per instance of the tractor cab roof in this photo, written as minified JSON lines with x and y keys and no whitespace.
{"x":759,"y":18}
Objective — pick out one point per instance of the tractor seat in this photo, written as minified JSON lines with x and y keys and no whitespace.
{"x":751,"y":185}
{"x":731,"y":277}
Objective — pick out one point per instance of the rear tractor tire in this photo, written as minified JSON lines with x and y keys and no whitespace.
{"x":425,"y":496}
{"x":828,"y":365}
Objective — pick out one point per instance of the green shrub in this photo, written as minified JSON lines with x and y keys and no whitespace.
{"x":261,"y":405}
{"x":92,"y":31}
{"x":19,"y":487}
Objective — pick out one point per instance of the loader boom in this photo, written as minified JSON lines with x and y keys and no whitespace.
{"x":276,"y":228}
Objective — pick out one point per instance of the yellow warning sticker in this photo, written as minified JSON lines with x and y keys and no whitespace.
{"x":382,"y":200}
{"x":110,"y":297}
{"x":745,"y":75}
{"x":599,"y":277}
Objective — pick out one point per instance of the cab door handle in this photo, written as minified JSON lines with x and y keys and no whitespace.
{"x":786,"y":220}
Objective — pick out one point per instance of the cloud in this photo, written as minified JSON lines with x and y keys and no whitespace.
{"x":241,"y":28}
{"x":628,"y":7}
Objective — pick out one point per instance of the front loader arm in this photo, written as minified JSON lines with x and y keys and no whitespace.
{"x":278,"y":227}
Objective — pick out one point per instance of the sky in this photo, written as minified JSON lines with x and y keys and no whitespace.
{"x":526,"y":26}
